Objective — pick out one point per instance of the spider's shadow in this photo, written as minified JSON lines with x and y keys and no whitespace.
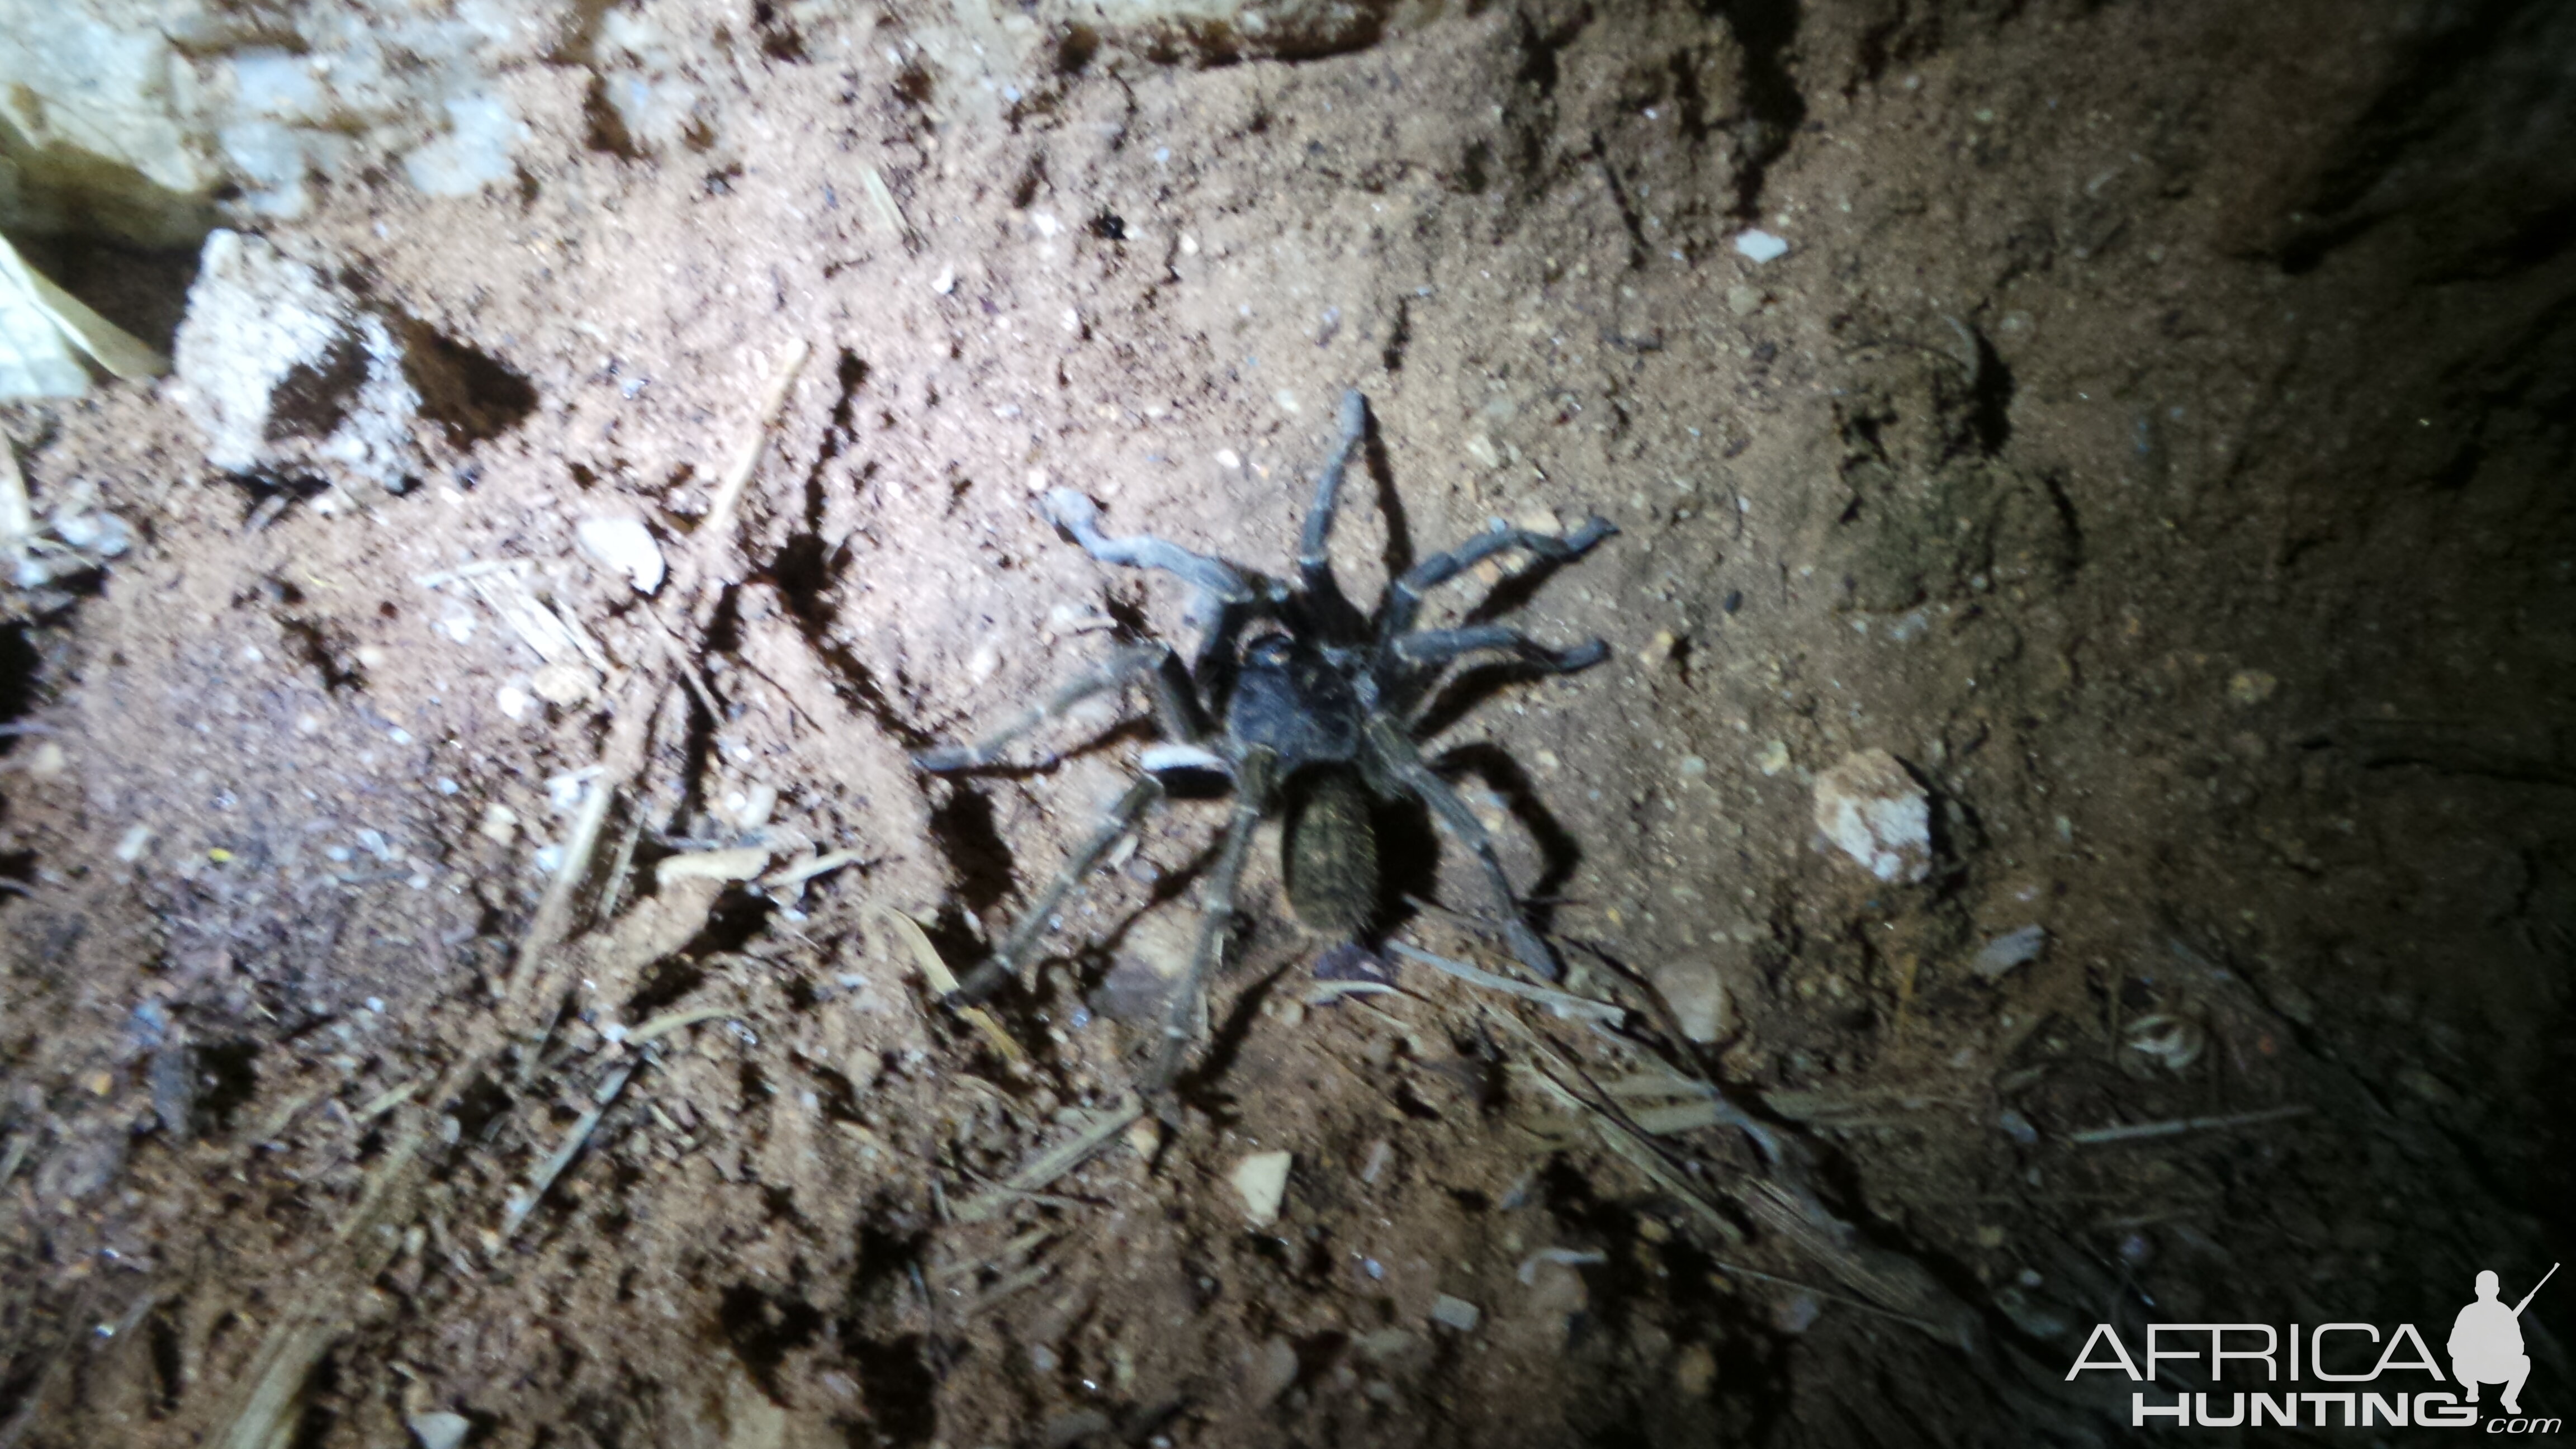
{"x":1201,"y":1085}
{"x":1559,"y":855}
{"x":1398,"y":553}
{"x":965,"y":829}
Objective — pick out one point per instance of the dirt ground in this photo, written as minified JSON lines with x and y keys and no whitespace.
{"x":2157,"y":435}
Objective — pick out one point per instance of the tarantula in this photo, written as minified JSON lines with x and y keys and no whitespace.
{"x":1296,"y":699}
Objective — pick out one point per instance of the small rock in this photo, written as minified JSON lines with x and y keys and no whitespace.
{"x":1797,"y":1313}
{"x":1658,"y":649}
{"x":1380,"y":1153}
{"x":440,"y":1430}
{"x":1773,"y":759}
{"x":1274,"y":1369}
{"x":1384,"y":1344}
{"x":1761,"y":246}
{"x":1743,"y":301}
{"x":1153,"y":957}
{"x":1695,"y":1371}
{"x":1072,"y":1427}
{"x":2251,"y":687}
{"x":1696,"y":990}
{"x":1872,"y":810}
{"x":286,"y":371}
{"x":2173,"y":1042}
{"x":514,"y":702}
{"x":945,"y":282}
{"x":1556,"y":1287}
{"x":623,"y":545}
{"x":1262,"y":1180}
{"x":2009,"y":950}
{"x":1456,"y":1313}
{"x":564,"y":684}
{"x":1482,"y":449}
{"x":1145,"y":1137}
{"x":47,"y":761}
{"x":981,"y":664}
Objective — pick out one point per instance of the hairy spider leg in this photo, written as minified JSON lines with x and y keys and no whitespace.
{"x":1013,"y":955}
{"x":1225,"y":598}
{"x":1178,"y":715}
{"x":1314,"y":554}
{"x":1438,"y":646}
{"x":1153,"y":663}
{"x":1404,"y":595}
{"x":1392,"y":754}
{"x":1186,"y":1020}
{"x":1078,"y":516}
{"x":1428,"y":649}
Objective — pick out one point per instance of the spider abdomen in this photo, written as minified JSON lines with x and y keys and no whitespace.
{"x":1329,"y":851}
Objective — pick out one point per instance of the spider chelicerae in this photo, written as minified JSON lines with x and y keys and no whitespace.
{"x":1298,"y":701}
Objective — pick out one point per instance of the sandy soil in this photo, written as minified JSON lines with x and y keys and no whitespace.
{"x":2155,"y":436}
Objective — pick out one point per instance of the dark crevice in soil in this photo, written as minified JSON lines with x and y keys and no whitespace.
{"x":1768,"y":31}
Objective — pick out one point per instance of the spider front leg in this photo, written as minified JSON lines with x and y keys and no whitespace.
{"x":1078,"y":516}
{"x":1222,"y":597}
{"x":1314,"y":556}
{"x":1404,"y":595}
{"x":1185,"y":1021}
{"x":1438,"y":646}
{"x":1151,"y":662}
{"x":1394,"y":755}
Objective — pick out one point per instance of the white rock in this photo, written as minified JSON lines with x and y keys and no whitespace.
{"x":623,"y":545}
{"x":1761,"y":246}
{"x":1872,"y":810}
{"x":2008,"y":950}
{"x":1456,"y":1313}
{"x":1696,"y":991}
{"x":440,"y":1431}
{"x":1262,"y":1180}
{"x":283,"y":369}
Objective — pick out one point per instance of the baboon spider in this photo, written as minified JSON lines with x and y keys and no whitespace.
{"x":1314,"y":706}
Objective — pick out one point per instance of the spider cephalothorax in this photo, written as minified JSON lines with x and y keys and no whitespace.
{"x":1299,"y":701}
